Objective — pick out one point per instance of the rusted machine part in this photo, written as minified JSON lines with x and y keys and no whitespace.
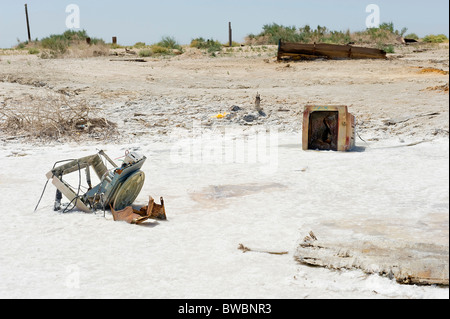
{"x":328,"y":128}
{"x":298,"y":51}
{"x":136,"y":217}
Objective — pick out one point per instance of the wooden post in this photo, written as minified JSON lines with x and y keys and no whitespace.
{"x":230,"y":34}
{"x":28,"y":23}
{"x":114,"y":40}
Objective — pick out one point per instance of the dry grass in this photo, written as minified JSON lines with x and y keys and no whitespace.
{"x":80,"y":50}
{"x":87,"y":51}
{"x":53,"y":118}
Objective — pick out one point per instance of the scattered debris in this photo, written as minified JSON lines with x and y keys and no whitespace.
{"x":400,"y":261}
{"x":235,"y":108}
{"x":137,"y":217}
{"x":406,"y":41}
{"x":250,"y":118}
{"x":258,"y":105}
{"x":433,"y":70}
{"x":17,"y":154}
{"x":246,"y":249}
{"x":328,"y":128}
{"x":128,"y":60}
{"x":221,"y":116}
{"x":439,"y":88}
{"x":299,"y":51}
{"x":118,"y":187}
{"x":54,"y":117}
{"x":405,"y":119}
{"x":311,"y":237}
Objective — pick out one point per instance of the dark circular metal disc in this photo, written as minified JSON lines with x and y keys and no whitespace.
{"x":129,"y":191}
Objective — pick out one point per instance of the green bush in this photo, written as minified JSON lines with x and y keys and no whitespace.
{"x":210,"y":45}
{"x":145,"y":53}
{"x":139,"y":45}
{"x":55,"y":43}
{"x":234,"y":44}
{"x":272,"y":33}
{"x":387,"y":26}
{"x":440,"y":38}
{"x":159,"y":50}
{"x":21,"y":45}
{"x":33,"y":51}
{"x":58,"y":44}
{"x":169,"y":43}
{"x":412,"y":36}
{"x":387,"y":48}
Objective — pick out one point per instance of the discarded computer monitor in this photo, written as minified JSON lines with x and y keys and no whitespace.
{"x":328,"y":128}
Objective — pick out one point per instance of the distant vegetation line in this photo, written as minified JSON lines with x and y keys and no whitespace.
{"x":383,"y":37}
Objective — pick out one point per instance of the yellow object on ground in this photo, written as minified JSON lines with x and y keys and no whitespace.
{"x":220,"y":116}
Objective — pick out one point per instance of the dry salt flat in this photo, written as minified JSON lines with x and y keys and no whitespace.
{"x":390,"y":192}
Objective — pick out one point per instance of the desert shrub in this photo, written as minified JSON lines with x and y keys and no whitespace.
{"x":387,"y":26}
{"x":387,"y":48}
{"x":145,"y":53}
{"x":116,"y":46}
{"x":139,"y":45}
{"x":97,"y":41}
{"x":33,"y":51}
{"x":56,"y":44}
{"x":159,"y":50}
{"x":233,"y":44}
{"x":59,"y":44}
{"x":210,"y":45}
{"x":440,"y":38}
{"x":21,"y":45}
{"x":412,"y":36}
{"x":336,"y":37}
{"x":169,"y":43}
{"x":378,"y":34}
{"x":272,"y":33}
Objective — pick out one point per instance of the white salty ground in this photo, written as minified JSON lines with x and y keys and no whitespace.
{"x":384,"y":189}
{"x":396,"y":193}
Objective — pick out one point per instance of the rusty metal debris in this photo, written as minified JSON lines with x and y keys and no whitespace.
{"x":328,"y":128}
{"x":118,"y":188}
{"x":298,"y":51}
{"x":137,"y":217}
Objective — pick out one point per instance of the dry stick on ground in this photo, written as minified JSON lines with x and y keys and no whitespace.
{"x":246,"y":249}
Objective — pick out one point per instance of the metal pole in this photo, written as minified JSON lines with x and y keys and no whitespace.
{"x":28,"y":23}
{"x":230,"y":34}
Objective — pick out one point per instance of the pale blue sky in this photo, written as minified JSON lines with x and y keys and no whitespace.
{"x":147,"y":21}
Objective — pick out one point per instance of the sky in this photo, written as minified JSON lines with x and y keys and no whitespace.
{"x":148,"y":21}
